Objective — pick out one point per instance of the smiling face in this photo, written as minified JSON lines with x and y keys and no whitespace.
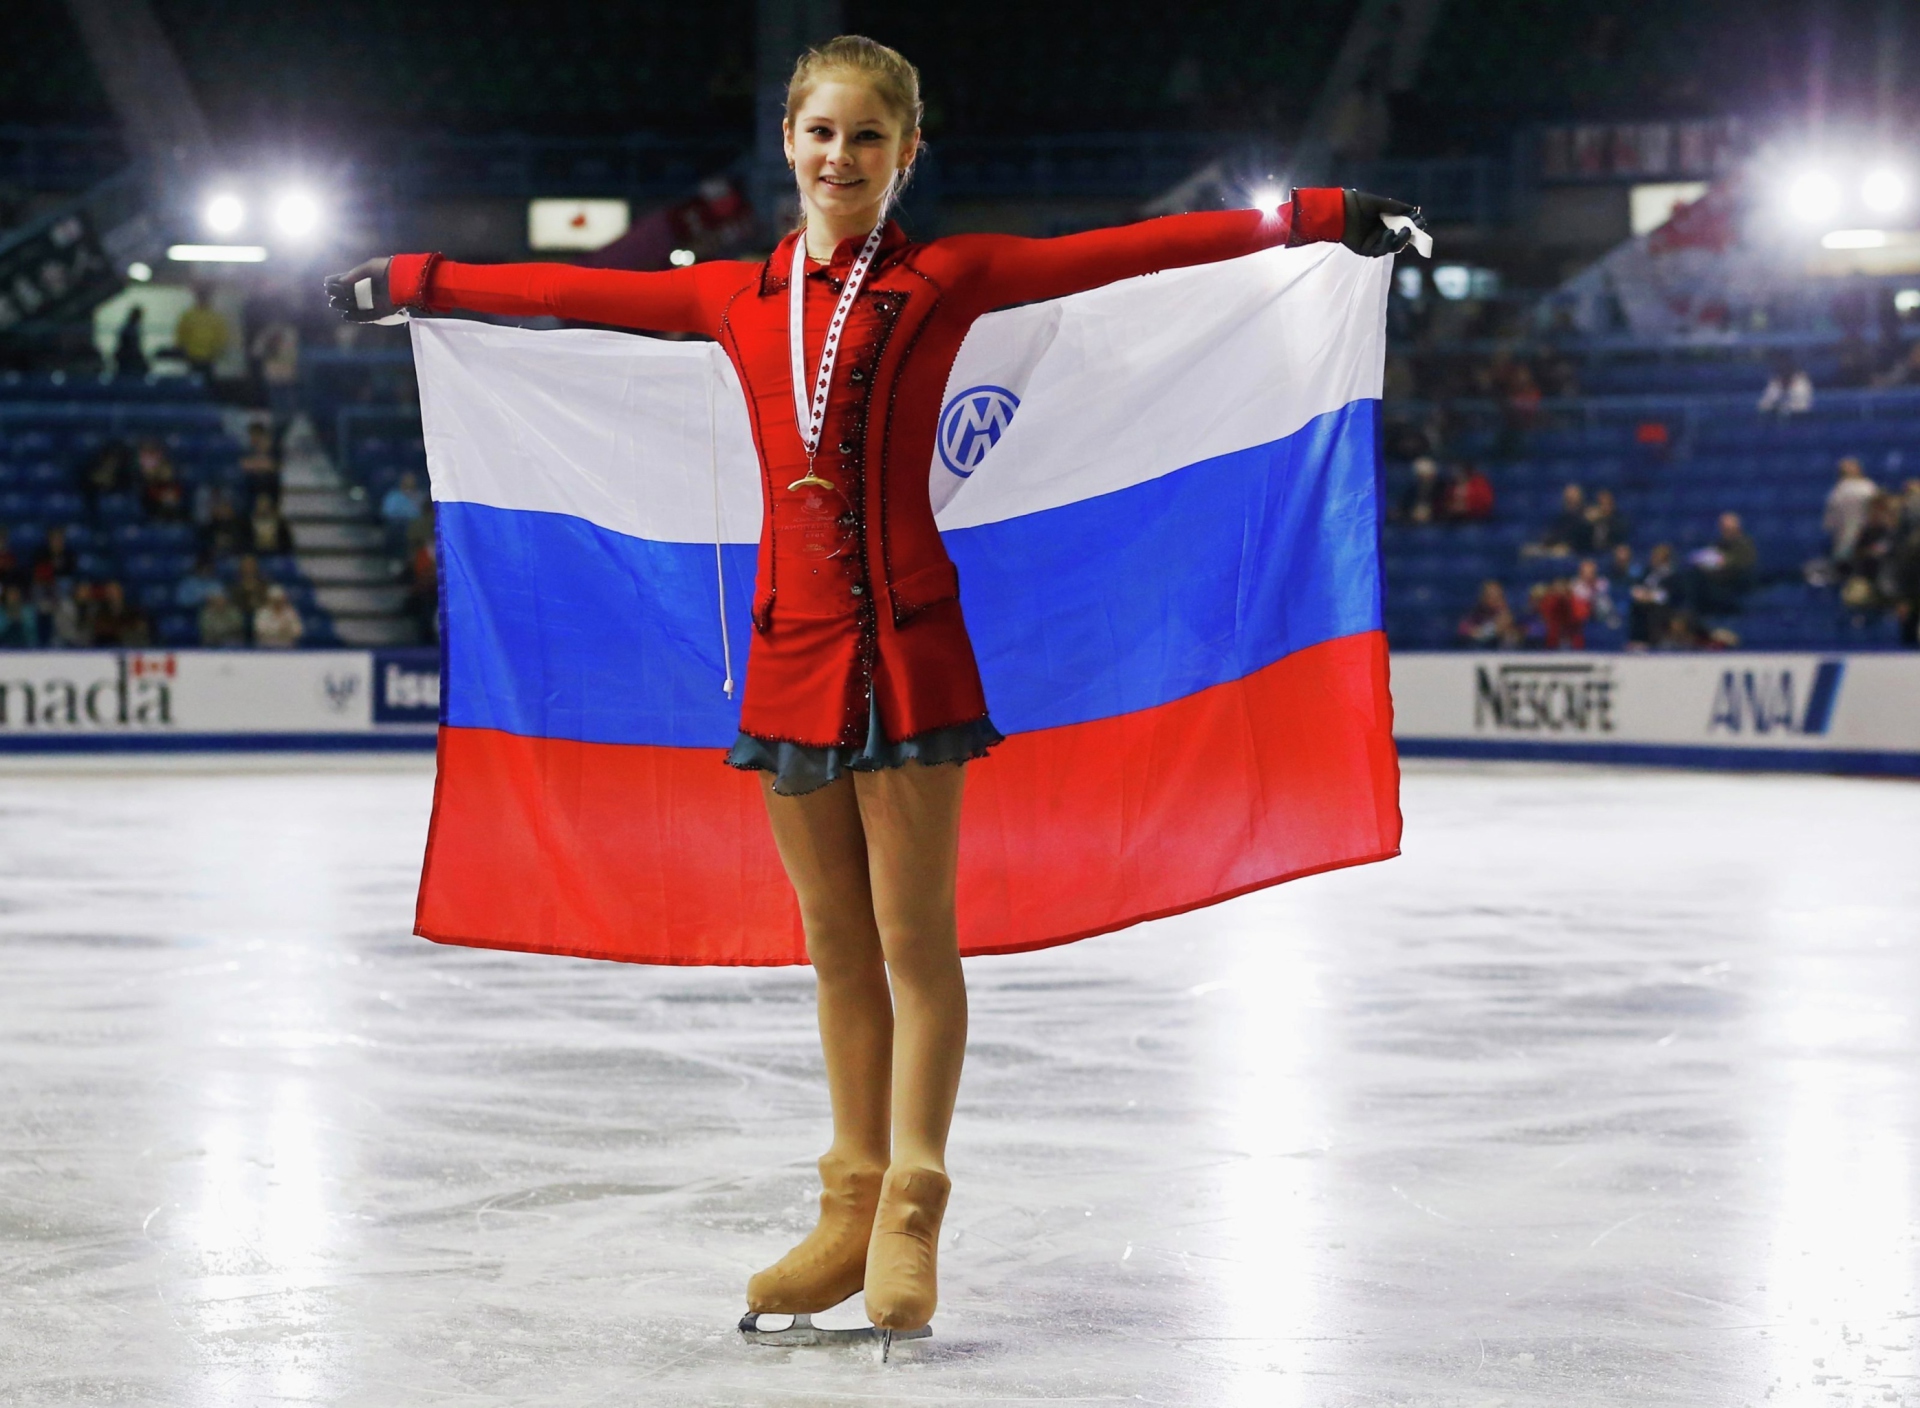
{"x":848,"y":152}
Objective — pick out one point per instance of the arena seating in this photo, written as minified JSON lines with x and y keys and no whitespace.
{"x":50,"y":427}
{"x":1721,"y":455}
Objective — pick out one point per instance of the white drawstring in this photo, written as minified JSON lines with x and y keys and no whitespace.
{"x":719,"y":565}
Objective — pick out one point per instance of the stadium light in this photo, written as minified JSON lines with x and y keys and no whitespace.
{"x":140,"y":271}
{"x":1854,"y":239}
{"x":225,"y":213}
{"x":1813,"y":197}
{"x":1884,"y":191}
{"x":217,"y":254}
{"x":680,"y":258}
{"x":296,"y":214}
{"x":1269,"y":199}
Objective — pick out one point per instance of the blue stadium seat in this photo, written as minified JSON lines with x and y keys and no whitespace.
{"x":177,"y":628}
{"x":117,"y":508}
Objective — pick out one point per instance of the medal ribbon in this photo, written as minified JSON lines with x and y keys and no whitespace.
{"x":810,"y":419}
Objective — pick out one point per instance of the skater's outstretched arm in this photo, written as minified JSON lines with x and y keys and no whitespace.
{"x":1002,"y":270}
{"x":673,"y":300}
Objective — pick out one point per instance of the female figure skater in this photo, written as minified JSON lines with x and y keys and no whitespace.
{"x":862,"y":700}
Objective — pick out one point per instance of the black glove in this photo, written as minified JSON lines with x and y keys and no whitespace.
{"x":1366,"y":235}
{"x":360,"y":294}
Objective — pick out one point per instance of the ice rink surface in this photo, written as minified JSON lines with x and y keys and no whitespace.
{"x":1606,"y":1093}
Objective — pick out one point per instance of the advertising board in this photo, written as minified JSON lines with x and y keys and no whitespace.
{"x":160,"y":699}
{"x":1845,"y":712}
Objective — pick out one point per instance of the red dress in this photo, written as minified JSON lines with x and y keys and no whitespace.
{"x":857,"y":604}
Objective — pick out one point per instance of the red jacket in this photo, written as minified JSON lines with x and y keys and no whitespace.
{"x":856,"y":597}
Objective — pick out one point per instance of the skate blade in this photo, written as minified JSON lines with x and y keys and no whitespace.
{"x":804,"y":1332}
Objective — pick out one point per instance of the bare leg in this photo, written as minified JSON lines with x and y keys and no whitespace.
{"x":912,"y":819}
{"x":823,"y":848}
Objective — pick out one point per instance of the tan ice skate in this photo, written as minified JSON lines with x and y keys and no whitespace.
{"x":902,"y":1263}
{"x":830,"y":1264}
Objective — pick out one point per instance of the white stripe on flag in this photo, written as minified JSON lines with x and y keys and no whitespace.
{"x":1116,"y":386}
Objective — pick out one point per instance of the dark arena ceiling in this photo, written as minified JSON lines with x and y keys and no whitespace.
{"x":333,"y":68}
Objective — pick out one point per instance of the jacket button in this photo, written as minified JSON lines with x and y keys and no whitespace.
{"x":858,"y":590}
{"x":856,"y":375}
{"x":846,"y":447}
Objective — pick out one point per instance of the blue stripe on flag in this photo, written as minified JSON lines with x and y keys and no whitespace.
{"x":561,"y":629}
{"x":1166,"y":588}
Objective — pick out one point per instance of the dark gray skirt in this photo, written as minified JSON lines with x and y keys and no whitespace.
{"x":798,"y":768}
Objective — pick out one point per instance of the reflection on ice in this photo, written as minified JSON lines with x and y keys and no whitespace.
{"x":1843,"y":1273}
{"x":1275,"y":1139}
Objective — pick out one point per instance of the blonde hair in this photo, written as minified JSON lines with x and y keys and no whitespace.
{"x":886,"y":71}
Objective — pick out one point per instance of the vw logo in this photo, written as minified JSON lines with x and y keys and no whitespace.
{"x":972,"y":424}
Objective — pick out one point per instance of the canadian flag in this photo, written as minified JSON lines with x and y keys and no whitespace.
{"x":145,"y":666}
{"x":576,"y":224}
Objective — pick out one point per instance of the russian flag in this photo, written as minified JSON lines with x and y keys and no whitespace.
{"x":1163,"y":497}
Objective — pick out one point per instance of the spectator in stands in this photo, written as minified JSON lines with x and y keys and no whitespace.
{"x":276,"y":358}
{"x":1554,"y":618}
{"x":1904,"y":577}
{"x":1904,"y":372}
{"x":1910,"y":505}
{"x":421,"y":529}
{"x":161,"y":493}
{"x":1846,"y":514}
{"x":1680,"y":632}
{"x":1519,"y":403}
{"x":224,"y":534}
{"x":1489,"y":624}
{"x":1570,"y":532}
{"x":1470,"y":495}
{"x":53,"y":560}
{"x":129,"y":348}
{"x":1419,"y":504}
{"x":276,"y":622}
{"x":1789,"y":392}
{"x":12,"y":569}
{"x":1622,"y":569}
{"x":73,"y":615}
{"x":424,"y":598}
{"x":1593,"y":594}
{"x":1720,"y":575}
{"x":267,"y":531}
{"x":1649,"y":600}
{"x":260,"y":464}
{"x":202,"y":334}
{"x":108,"y":472}
{"x":19,"y":622}
{"x":220,"y":621}
{"x":117,"y":621}
{"x":1606,"y":525}
{"x":195,"y":589}
{"x":1870,"y":584}
{"x":404,"y":502}
{"x":1653,"y":440}
{"x":249,"y":588}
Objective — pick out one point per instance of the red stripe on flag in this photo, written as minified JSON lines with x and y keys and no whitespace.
{"x":662,"y":855}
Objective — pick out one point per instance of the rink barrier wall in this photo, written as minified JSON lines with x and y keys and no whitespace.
{"x":1852,"y":713}
{"x":1740,"y":710}
{"x":169,"y":701}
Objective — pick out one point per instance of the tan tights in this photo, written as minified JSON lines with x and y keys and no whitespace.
{"x":872,"y":859}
